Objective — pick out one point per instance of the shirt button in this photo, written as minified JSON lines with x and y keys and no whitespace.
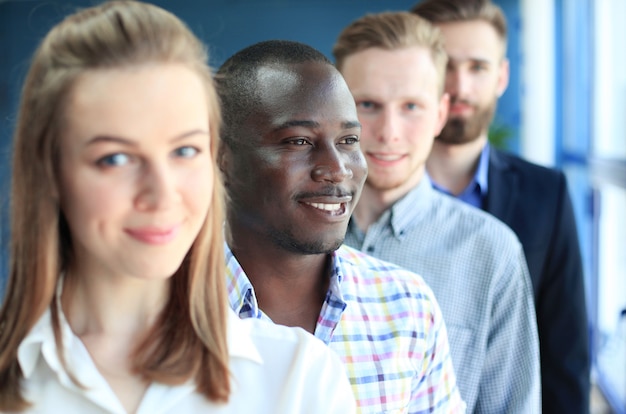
{"x":370,"y":249}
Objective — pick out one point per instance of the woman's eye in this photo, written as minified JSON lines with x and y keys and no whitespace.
{"x":186,"y":152}
{"x":411,"y":106}
{"x":114,"y":160}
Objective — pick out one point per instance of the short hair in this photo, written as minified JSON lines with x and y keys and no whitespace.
{"x":450,"y":11}
{"x":392,"y":31}
{"x":237,"y":84}
{"x":188,"y":340}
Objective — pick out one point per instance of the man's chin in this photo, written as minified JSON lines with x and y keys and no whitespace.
{"x":453,"y":133}
{"x":459,"y":131}
{"x":321,"y":247}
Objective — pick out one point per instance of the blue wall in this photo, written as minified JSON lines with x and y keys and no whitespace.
{"x":226,"y":26}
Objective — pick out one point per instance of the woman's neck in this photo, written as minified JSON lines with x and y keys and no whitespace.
{"x":100,"y":305}
{"x":111,"y":316}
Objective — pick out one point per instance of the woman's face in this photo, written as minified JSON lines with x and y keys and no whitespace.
{"x":136,"y":169}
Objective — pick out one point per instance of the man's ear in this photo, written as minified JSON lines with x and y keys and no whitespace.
{"x":442,"y":112}
{"x":223,"y":159}
{"x":503,"y":77}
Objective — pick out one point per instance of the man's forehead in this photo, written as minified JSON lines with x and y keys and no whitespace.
{"x":276,"y":73}
{"x":472,"y":40}
{"x":299,"y":83}
{"x":286,"y":81}
{"x":300,"y":94}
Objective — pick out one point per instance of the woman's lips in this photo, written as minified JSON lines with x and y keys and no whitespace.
{"x":154,"y":235}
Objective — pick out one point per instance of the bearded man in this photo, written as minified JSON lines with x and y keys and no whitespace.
{"x":531,"y":199}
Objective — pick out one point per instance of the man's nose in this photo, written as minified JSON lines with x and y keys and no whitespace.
{"x":331,"y":165}
{"x":457,"y":82}
{"x":388,"y":130}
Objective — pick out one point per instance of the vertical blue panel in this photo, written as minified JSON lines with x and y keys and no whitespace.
{"x":575,"y":53}
{"x":574,"y":111}
{"x":509,"y":105}
{"x":573,"y":76}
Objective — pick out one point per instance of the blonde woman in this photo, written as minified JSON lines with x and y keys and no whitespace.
{"x":116,"y":300}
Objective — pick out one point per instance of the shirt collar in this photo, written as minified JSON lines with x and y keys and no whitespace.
{"x":480,"y":178}
{"x":30,"y":348}
{"x":241,"y":296}
{"x":240,"y":344}
{"x":242,"y":299}
{"x":40,"y":340}
{"x":411,"y":207}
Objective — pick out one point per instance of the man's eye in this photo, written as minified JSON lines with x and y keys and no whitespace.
{"x":114,"y":160}
{"x":478,"y":67}
{"x":367,"y":105}
{"x":298,"y":141}
{"x":350,"y":140}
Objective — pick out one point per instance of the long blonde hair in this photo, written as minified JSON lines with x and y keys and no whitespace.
{"x":189,"y":339}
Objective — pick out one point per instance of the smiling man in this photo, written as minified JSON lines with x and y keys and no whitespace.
{"x":294,"y":171}
{"x":394,"y":65}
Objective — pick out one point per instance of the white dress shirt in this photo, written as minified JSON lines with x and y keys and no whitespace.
{"x":274,"y":369}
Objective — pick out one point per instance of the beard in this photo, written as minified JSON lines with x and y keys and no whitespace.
{"x":461,"y":131}
{"x":289,"y":242}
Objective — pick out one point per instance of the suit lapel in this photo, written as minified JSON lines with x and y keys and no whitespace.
{"x":502,"y":190}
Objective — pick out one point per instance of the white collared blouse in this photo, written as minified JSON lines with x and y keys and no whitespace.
{"x":275,"y":369}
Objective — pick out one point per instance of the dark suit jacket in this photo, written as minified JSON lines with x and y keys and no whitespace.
{"x":534,"y":202}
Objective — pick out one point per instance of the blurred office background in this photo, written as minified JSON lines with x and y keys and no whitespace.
{"x":565,"y":107}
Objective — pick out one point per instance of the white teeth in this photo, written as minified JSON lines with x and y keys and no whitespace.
{"x":326,"y":207}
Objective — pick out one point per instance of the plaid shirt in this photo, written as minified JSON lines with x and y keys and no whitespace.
{"x":385,"y":325}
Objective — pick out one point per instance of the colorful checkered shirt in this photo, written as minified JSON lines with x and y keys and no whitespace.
{"x":385,"y":325}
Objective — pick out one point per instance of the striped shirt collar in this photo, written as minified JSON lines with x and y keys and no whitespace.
{"x":405,"y":212}
{"x":243,"y":301}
